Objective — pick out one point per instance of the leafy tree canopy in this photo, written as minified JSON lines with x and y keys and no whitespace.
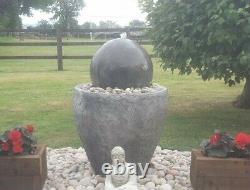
{"x":44,"y":25}
{"x":211,"y":37}
{"x":108,"y":24}
{"x":66,"y":12}
{"x":147,"y":5}
{"x":88,"y":25}
{"x":10,"y":10}
{"x":137,"y":23}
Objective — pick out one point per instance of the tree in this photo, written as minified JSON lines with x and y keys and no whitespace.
{"x":66,"y":12}
{"x":8,"y":14}
{"x":211,"y":37}
{"x":108,"y":24}
{"x":10,"y":11}
{"x":44,"y":25}
{"x":137,"y":23}
{"x":147,"y":5}
{"x":88,"y":25}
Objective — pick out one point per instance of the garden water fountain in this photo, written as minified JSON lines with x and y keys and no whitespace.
{"x":121,"y":107}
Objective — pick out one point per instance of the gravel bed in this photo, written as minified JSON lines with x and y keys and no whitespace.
{"x":128,"y":91}
{"x":69,"y":169}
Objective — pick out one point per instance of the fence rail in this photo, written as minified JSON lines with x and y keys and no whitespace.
{"x":59,"y":43}
{"x":136,"y":29}
{"x":94,"y":43}
{"x":48,"y":57}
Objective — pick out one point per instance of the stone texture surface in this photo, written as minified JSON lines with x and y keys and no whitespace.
{"x":133,"y":121}
{"x":121,"y":63}
{"x":69,"y":168}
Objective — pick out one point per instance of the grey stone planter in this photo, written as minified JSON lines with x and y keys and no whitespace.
{"x":132,"y":121}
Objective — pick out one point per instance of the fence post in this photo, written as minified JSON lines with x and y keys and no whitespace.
{"x":59,"y":50}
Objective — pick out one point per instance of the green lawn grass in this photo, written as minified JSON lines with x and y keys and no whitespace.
{"x":33,"y":91}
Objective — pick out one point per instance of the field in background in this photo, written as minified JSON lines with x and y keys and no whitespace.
{"x":33,"y":91}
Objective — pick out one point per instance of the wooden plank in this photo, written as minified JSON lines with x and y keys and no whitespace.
{"x":97,"y":43}
{"x":77,"y":56}
{"x":28,"y":43}
{"x":22,"y":173}
{"x":43,"y":165}
{"x":94,"y":43}
{"x":51,"y":43}
{"x":193,"y":170}
{"x":211,"y":183}
{"x":20,"y":167}
{"x":134,"y":29}
{"x":52,"y":57}
{"x":29,"y":57}
{"x":14,"y":183}
{"x":27,"y":165}
{"x":59,"y":51}
{"x":200,"y":156}
{"x":22,"y":183}
{"x":47,"y":57}
{"x":89,"y":56}
{"x":28,"y":30}
{"x":209,"y":173}
{"x":222,"y":167}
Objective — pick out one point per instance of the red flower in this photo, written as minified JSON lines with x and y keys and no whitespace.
{"x":215,"y":138}
{"x":17,"y":142}
{"x":242,"y":140}
{"x":17,"y":146}
{"x":30,"y":128}
{"x":5,"y":147}
{"x":17,"y":149}
{"x":15,"y":135}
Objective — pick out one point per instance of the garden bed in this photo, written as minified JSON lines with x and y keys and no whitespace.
{"x":209,"y":173}
{"x":26,"y":172}
{"x":69,"y":169}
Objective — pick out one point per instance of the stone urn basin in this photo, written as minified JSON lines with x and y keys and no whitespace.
{"x":128,"y":116}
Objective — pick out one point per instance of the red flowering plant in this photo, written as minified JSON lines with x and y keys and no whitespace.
{"x":242,"y":144}
{"x":18,"y":141}
{"x":224,"y":145}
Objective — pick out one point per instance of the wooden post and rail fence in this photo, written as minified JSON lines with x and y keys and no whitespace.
{"x":59,"y":43}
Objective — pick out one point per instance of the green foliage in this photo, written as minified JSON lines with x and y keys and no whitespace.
{"x":88,"y":25}
{"x":19,"y":140}
{"x":223,"y":147}
{"x":66,"y":11}
{"x":108,"y":24}
{"x":10,"y":10}
{"x":25,"y":6}
{"x":137,"y":23}
{"x":44,"y":25}
{"x":146,"y":5}
{"x":9,"y":14}
{"x":211,"y":37}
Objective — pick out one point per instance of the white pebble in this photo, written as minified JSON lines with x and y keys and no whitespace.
{"x":70,"y":169}
{"x":150,"y":185}
{"x":100,"y":186}
{"x":90,"y":188}
{"x":85,"y":182}
{"x":165,"y":187}
{"x":70,"y":188}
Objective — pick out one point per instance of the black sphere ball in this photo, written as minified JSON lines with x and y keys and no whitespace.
{"x":121,"y":63}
